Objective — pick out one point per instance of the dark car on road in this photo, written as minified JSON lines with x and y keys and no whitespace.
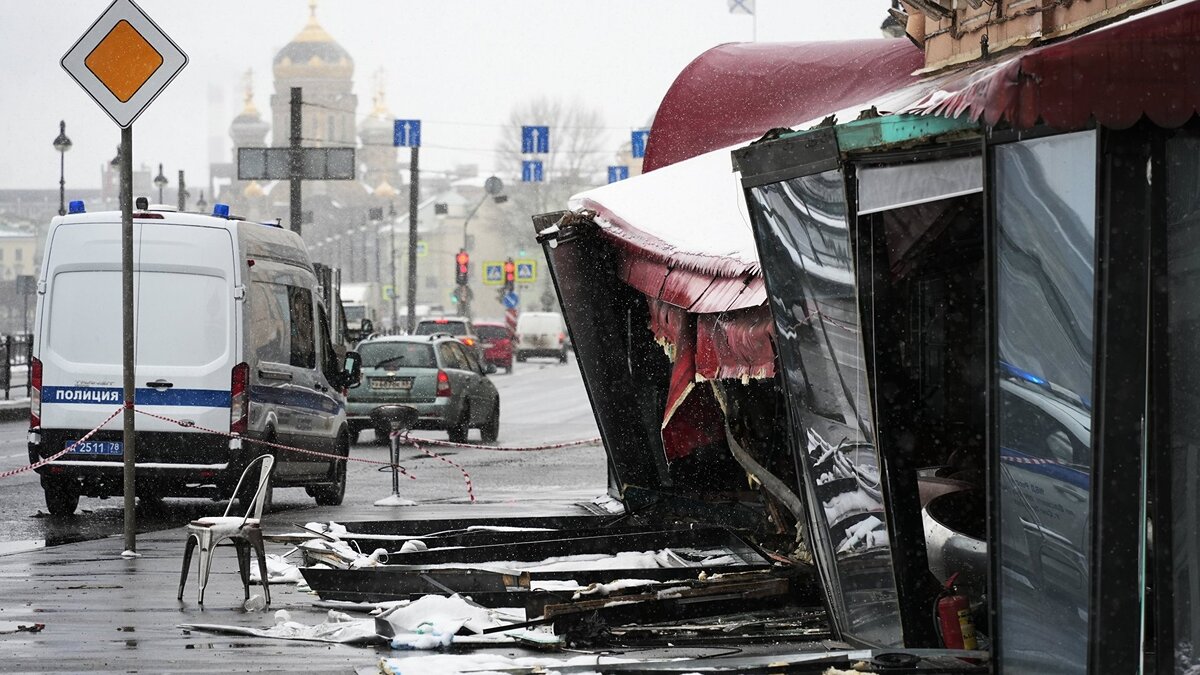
{"x":436,"y":374}
{"x":497,"y":343}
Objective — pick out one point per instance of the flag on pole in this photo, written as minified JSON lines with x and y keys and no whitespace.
{"x":746,"y":6}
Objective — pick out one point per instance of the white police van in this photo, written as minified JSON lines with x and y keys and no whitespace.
{"x":231,"y":336}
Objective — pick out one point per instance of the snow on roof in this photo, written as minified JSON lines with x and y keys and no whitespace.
{"x":694,"y":207}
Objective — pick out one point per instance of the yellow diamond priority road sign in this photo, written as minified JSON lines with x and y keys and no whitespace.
{"x":124,"y":61}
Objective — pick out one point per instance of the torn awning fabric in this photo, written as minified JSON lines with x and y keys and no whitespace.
{"x":1144,"y":65}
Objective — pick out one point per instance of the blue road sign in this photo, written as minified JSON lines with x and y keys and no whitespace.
{"x":531,"y":171}
{"x":616,"y":173}
{"x":406,"y":133}
{"x":493,"y":273}
{"x":525,"y":271}
{"x":535,"y":140}
{"x":638,"y":140}
{"x":511,"y":300}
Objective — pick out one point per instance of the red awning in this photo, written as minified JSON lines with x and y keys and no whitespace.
{"x":1148,"y":65}
{"x":736,"y":92}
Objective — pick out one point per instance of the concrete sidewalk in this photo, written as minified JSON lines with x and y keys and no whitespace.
{"x":14,"y":409}
{"x":104,"y":613}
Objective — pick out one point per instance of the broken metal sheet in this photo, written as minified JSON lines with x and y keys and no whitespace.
{"x":453,"y":664}
{"x":783,"y":625}
{"x":698,"y":539}
{"x":587,"y":621}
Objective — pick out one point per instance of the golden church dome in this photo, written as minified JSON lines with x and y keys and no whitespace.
{"x":313,"y":53}
{"x":385,"y":190}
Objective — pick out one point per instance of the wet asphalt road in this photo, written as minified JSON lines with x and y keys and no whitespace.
{"x":542,"y":401}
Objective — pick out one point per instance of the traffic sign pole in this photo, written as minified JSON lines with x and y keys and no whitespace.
{"x":413,"y":192}
{"x":123,"y":61}
{"x":295,"y":168}
{"x":128,"y":439}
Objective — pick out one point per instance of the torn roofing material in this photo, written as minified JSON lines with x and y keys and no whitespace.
{"x":1141,"y":66}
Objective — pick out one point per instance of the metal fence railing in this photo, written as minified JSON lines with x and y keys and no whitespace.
{"x":15,"y":358}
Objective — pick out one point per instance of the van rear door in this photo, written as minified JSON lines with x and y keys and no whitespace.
{"x":185,"y":344}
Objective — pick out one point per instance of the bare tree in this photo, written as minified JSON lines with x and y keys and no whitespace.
{"x":580,"y":149}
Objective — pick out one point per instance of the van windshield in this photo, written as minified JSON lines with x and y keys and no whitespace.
{"x":85,"y":318}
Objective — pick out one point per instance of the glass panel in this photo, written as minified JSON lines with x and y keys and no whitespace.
{"x":267,"y":322}
{"x":389,"y":354}
{"x":892,"y":187}
{"x":303,"y":353}
{"x":193,"y":338}
{"x":1183,"y":367}
{"x":806,"y":258}
{"x":492,"y":332}
{"x":1045,"y":261}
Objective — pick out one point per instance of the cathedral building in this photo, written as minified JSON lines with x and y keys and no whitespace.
{"x":347,"y":223}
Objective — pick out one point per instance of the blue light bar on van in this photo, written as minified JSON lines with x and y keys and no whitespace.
{"x":76,"y":206}
{"x":1014,"y":371}
{"x":221,"y":210}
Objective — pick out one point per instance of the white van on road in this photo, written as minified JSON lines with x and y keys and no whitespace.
{"x":541,"y":334}
{"x":231,"y":335}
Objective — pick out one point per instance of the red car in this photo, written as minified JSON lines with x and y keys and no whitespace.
{"x":497,"y":342}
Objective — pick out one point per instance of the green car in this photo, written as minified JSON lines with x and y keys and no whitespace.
{"x":437,"y":375}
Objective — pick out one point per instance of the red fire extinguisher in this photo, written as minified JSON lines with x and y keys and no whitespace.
{"x":954,"y":617}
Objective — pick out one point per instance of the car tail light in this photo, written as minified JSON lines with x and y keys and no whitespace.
{"x":470,"y":342}
{"x":562,"y":337}
{"x":35,"y":394}
{"x":239,"y":398}
{"x":443,"y":384}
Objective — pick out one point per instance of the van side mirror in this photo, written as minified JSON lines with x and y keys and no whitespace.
{"x":366,"y":327}
{"x":352,"y":373}
{"x":489,"y":368}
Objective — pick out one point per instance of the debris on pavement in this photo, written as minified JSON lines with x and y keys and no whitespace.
{"x":338,"y":627}
{"x":7,"y":627}
{"x":454,"y":664}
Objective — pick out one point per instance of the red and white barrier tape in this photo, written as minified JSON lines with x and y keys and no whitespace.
{"x":39,"y":464}
{"x":1031,"y":460}
{"x":402,"y":436}
{"x":413,"y":442}
{"x":277,"y":446}
{"x":409,"y":440}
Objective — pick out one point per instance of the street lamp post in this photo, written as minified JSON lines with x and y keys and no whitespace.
{"x":160,"y":181}
{"x":62,"y":144}
{"x":492,"y":187}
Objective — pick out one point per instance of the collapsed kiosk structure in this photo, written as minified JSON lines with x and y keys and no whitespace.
{"x":942,"y":313}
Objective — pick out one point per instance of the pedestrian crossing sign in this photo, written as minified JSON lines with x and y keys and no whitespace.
{"x":526,"y":271}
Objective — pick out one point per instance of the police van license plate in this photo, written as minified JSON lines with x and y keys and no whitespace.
{"x":95,"y":448}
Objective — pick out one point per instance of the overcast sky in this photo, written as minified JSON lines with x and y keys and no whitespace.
{"x":458,"y":65}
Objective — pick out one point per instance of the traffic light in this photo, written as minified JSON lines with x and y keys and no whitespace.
{"x":462,"y":267}
{"x":510,"y":274}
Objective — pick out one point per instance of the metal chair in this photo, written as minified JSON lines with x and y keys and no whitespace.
{"x":244,"y":532}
